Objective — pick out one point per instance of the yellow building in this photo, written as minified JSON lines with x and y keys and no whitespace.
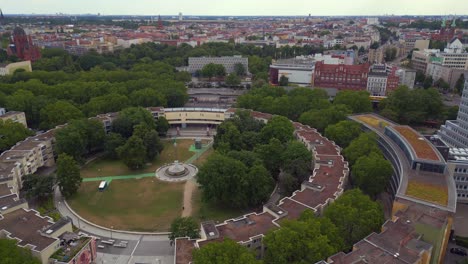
{"x":14,"y":116}
{"x":8,"y":69}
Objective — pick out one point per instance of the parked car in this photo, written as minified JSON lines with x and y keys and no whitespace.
{"x":458,"y":251}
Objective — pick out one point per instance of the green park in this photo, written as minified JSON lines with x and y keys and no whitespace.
{"x":135,"y":199}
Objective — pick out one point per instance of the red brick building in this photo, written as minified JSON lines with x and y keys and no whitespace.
{"x":342,"y":77}
{"x":22,"y":46}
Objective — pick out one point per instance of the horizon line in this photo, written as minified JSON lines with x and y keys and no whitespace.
{"x":192,"y":15}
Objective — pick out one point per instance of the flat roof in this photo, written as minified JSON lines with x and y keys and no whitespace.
{"x":422,"y":148}
{"x":183,"y":248}
{"x":26,"y":225}
{"x":246,"y":227}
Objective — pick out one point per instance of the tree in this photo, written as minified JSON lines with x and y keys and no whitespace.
{"x":147,"y":97}
{"x":70,"y":142}
{"x":229,"y":182}
{"x":260,"y":184}
{"x":150,"y":140}
{"x":68,"y":175}
{"x":343,"y":132}
{"x":80,"y":137}
{"x":38,"y":186}
{"x":226,"y":252}
{"x":390,"y":53}
{"x":183,"y":76}
{"x":184,"y":227}
{"x":460,"y":84}
{"x":357,"y":101}
{"x":271,"y":154}
{"x":228,"y":137}
{"x":375,"y":45}
{"x":361,"y":50}
{"x":297,"y":160}
{"x":59,"y":113}
{"x":428,"y":81}
{"x":213,"y":70}
{"x":129,"y":118}
{"x":372,"y":174}
{"x":11,"y":253}
{"x":365,"y":144}
{"x":303,"y":241}
{"x":355,"y":215}
{"x":112,"y":142}
{"x":320,"y":119}
{"x":162,"y":126}
{"x":239,"y":69}
{"x":284,"y":80}
{"x":11,"y":133}
{"x":233,"y":80}
{"x":412,"y":106}
{"x":133,"y":153}
{"x":278,"y":127}
{"x":112,"y":102}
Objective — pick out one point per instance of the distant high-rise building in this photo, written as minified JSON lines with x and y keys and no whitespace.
{"x":455,"y":132}
{"x":160,"y":23}
{"x":22,"y":46}
{"x":181,"y":17}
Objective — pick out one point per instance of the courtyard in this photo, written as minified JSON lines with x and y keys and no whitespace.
{"x":136,"y":200}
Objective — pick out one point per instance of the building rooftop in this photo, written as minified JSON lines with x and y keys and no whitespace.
{"x":26,"y":226}
{"x":183,"y":250}
{"x":246,"y":227}
{"x":422,"y":148}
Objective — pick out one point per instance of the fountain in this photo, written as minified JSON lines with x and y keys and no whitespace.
{"x":176,"y":171}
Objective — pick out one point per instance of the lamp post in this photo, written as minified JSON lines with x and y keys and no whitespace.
{"x":112,"y":227}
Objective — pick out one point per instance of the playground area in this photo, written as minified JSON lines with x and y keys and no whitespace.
{"x":135,"y":199}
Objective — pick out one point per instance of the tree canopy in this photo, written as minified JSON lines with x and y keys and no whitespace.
{"x":226,"y":252}
{"x":129,"y":118}
{"x":308,"y":240}
{"x":372,"y":173}
{"x":225,"y":180}
{"x":12,"y":132}
{"x":10,"y":253}
{"x":357,"y":101}
{"x":407,"y":106}
{"x":80,"y":137}
{"x":363,"y":145}
{"x":184,"y":227}
{"x":355,"y":215}
{"x":343,"y":132}
{"x":68,"y":175}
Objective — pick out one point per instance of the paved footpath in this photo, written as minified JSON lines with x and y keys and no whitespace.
{"x":189,"y":187}
{"x":197,"y":154}
{"x":122,"y":177}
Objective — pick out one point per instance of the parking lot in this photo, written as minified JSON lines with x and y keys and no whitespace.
{"x":148,"y":250}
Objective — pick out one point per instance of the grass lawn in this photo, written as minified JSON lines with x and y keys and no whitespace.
{"x":428,"y":192}
{"x":203,"y":211}
{"x":202,"y":159}
{"x":373,"y":121}
{"x":138,"y":204}
{"x":105,"y":167}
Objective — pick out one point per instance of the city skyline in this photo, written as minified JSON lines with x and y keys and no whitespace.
{"x":238,"y":8}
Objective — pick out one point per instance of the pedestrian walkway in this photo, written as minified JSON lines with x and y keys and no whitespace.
{"x":122,"y":177}
{"x":198,"y":153}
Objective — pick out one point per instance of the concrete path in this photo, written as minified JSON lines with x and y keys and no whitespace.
{"x":122,"y":177}
{"x":198,"y":153}
{"x":189,"y":188}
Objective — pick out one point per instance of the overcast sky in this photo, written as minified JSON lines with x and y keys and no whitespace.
{"x":237,"y":7}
